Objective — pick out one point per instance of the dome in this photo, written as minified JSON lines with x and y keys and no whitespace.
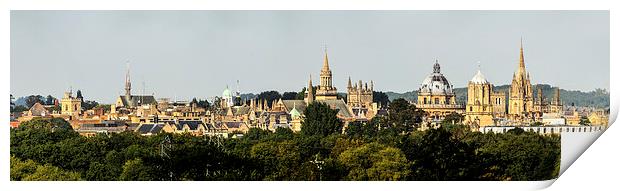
{"x":479,"y":78}
{"x":436,"y":83}
{"x":294,"y":113}
{"x":226,"y":93}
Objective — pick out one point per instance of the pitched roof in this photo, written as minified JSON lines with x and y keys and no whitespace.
{"x":38,"y":110}
{"x":300,"y":106}
{"x":193,"y":125}
{"x":152,"y":128}
{"x":136,"y":100}
{"x":340,"y":105}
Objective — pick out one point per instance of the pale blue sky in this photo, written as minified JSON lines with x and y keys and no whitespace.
{"x":197,"y":53}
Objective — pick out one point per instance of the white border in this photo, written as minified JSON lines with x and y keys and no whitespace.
{"x":596,"y":169}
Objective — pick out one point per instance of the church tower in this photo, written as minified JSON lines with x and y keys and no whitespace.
{"x":326,"y":90}
{"x":521,"y":98}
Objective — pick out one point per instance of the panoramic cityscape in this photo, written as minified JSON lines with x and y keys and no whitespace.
{"x":485,"y":129}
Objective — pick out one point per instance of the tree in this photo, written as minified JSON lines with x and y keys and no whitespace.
{"x":320,"y":120}
{"x":100,"y":172}
{"x":194,"y":101}
{"x":79,"y":95}
{"x":380,"y":98}
{"x":136,"y":170}
{"x":270,"y":96}
{"x":302,"y":94}
{"x":441,"y":156}
{"x":19,"y":108}
{"x":257,"y":134}
{"x":358,"y":129}
{"x":453,"y":118}
{"x":31,"y":171}
{"x":49,"y":100}
{"x":12,"y":103}
{"x":281,"y":159}
{"x":32,"y":99}
{"x":374,"y":161}
{"x":584,"y":121}
{"x":87,"y":105}
{"x":402,"y":114}
{"x":45,"y":123}
{"x":289,"y":96}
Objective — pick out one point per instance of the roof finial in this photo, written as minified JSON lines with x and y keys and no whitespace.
{"x":436,"y":67}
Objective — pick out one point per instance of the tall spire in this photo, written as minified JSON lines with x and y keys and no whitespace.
{"x":309,"y":97}
{"x":521,"y":60}
{"x":127,"y":82}
{"x":349,"y":83}
{"x":325,"y":61}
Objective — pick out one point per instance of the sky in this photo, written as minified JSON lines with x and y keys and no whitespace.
{"x":186,"y":54}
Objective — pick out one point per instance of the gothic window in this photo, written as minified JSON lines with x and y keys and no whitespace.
{"x":436,"y":100}
{"x":425,"y":101}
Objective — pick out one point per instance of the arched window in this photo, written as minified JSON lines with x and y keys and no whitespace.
{"x":471,"y":108}
{"x":425,"y":101}
{"x":436,"y":100}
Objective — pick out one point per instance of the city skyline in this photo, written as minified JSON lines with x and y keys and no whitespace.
{"x":200,"y":61}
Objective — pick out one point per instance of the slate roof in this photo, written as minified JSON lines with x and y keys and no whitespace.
{"x":193,"y":125}
{"x":233,"y":124}
{"x":136,"y":100}
{"x":152,"y":128}
{"x":340,"y":105}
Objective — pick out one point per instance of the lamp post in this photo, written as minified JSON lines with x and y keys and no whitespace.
{"x":318,"y":164}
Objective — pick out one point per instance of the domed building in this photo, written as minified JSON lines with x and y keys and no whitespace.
{"x":484,"y":106}
{"x":227,"y":98}
{"x":436,"y":96}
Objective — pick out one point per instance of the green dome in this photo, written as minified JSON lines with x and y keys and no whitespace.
{"x":226,"y":93}
{"x":294,"y":113}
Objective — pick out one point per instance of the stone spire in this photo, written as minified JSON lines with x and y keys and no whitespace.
{"x":325,"y":62}
{"x":349,"y":83}
{"x":309,"y":89}
{"x":127,"y":82}
{"x":521,"y":60}
{"x":326,"y":74}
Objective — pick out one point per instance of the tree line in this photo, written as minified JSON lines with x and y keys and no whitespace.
{"x":386,"y":148}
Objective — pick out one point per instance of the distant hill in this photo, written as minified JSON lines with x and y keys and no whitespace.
{"x":598,"y":98}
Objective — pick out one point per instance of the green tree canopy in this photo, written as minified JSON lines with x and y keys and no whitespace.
{"x":374,"y":161}
{"x":320,"y":120}
{"x":402,"y":114}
